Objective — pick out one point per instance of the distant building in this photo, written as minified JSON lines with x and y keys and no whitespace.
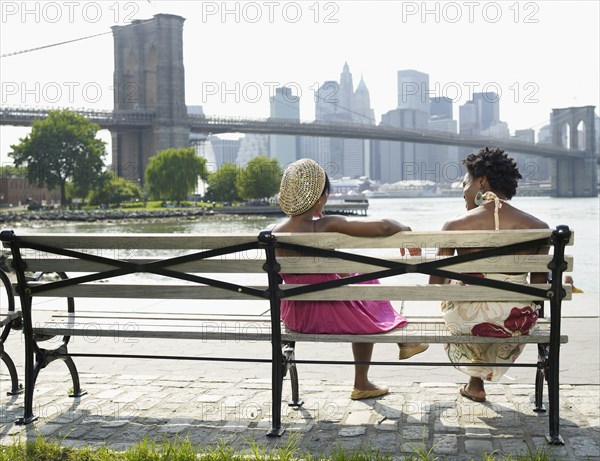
{"x":545,"y":165}
{"x":195,"y":110}
{"x":413,"y":90}
{"x":326,"y":100}
{"x":497,"y":130}
{"x":445,"y":159}
{"x":252,"y":145}
{"x":440,"y":108}
{"x":488,"y":109}
{"x":17,"y":191}
{"x":468,"y":121}
{"x":399,"y":161}
{"x":317,"y":149}
{"x":225,"y":150}
{"x":339,"y":103}
{"x":362,"y":111}
{"x":284,"y":106}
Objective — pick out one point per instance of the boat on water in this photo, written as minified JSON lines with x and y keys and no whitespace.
{"x":407,"y":189}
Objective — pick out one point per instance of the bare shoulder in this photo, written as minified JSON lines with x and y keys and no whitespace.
{"x":462,"y":222}
{"x":331,"y":223}
{"x":528,"y":221}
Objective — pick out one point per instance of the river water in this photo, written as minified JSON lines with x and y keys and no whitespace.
{"x":581,"y":215}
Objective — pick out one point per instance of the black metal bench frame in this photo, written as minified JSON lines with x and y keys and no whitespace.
{"x":12,"y":321}
{"x":282,"y":359}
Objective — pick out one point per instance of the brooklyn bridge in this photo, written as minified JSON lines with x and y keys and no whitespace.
{"x":148,"y":54}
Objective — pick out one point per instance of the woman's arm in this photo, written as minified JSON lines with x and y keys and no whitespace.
{"x":443,"y":252}
{"x":360,"y":228}
{"x":434,"y":279}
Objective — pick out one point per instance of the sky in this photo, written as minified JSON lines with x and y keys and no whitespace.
{"x":537,"y":55}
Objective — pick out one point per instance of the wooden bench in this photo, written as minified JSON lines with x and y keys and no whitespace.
{"x":105,"y":273}
{"x":9,"y":319}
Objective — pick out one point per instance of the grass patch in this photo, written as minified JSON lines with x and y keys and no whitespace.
{"x":181,"y":449}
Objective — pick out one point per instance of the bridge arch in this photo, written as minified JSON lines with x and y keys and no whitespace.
{"x":581,"y":132}
{"x":573,"y":128}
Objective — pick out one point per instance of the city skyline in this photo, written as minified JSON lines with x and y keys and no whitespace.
{"x":239,"y":68}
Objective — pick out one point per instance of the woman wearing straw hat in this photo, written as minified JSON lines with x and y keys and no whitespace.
{"x":302,"y":197}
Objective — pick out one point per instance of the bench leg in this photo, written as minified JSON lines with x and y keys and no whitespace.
{"x":31,"y":374}
{"x":553,"y":438}
{"x":77,"y":391}
{"x":540,"y":377}
{"x":277,"y":384}
{"x":16,"y":388}
{"x":289,"y":356}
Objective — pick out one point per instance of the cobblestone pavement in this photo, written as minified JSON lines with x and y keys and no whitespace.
{"x":121,"y":409}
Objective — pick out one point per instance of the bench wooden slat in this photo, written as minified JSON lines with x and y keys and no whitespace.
{"x":83,"y":313}
{"x":525,"y":263}
{"x":129,"y":244}
{"x":418,"y":293}
{"x":431,"y":332}
{"x":439,"y":239}
{"x":349,"y":292}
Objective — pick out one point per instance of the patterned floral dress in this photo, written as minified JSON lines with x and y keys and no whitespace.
{"x":489,"y":318}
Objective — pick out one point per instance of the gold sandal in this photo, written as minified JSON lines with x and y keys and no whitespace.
{"x":358,"y":394}
{"x":408,"y":352}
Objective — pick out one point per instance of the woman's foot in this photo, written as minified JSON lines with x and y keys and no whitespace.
{"x":474,"y":390}
{"x":365,"y":389}
{"x":360,"y":394}
{"x":407,"y":350}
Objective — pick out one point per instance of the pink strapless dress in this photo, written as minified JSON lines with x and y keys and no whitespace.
{"x":337,"y":317}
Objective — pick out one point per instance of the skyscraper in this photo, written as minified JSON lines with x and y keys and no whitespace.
{"x":284,"y":105}
{"x":338,"y":102}
{"x":399,"y":161}
{"x":468,"y":120}
{"x":413,"y":90}
{"x":441,"y":108}
{"x":362,"y":112}
{"x":345,"y":95}
{"x":326,"y":100}
{"x":488,"y":109}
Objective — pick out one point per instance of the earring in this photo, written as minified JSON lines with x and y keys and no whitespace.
{"x":478,"y":199}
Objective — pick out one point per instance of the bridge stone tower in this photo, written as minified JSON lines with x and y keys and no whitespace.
{"x":576,"y":177}
{"x":149,"y":77}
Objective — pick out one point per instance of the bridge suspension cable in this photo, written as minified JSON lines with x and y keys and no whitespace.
{"x":53,"y":44}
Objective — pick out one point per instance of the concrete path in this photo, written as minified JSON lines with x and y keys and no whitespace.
{"x":207,"y":401}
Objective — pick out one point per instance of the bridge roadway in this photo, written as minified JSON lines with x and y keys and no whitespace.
{"x":123,"y":120}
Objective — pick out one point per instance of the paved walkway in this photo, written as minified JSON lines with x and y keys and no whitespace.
{"x":128,"y":399}
{"x":121,"y":409}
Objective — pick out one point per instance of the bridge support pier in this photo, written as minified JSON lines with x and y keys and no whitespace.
{"x":577,"y":176}
{"x":149,"y":77}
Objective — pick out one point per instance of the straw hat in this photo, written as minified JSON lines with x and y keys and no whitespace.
{"x":301,"y":186}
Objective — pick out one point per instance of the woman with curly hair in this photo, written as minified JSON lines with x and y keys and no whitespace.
{"x":488,"y":185}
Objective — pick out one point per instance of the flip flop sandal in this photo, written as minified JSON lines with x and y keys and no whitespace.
{"x":464,"y":393}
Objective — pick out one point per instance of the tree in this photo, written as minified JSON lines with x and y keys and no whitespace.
{"x":172,"y":174}
{"x":221,"y":184}
{"x":260,"y":179}
{"x":114,"y":190}
{"x":61,"y":147}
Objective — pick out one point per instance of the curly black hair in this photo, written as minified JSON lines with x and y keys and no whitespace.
{"x":501,"y":170}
